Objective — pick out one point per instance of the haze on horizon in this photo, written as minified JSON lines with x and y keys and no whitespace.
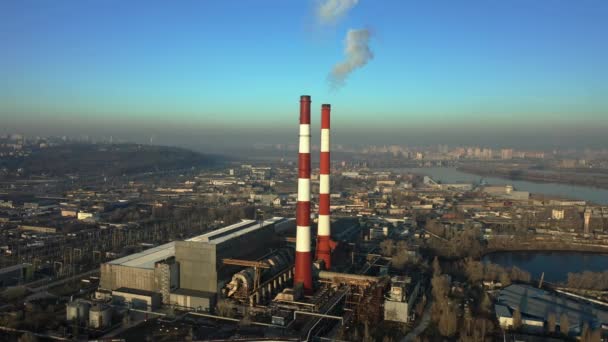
{"x":228,"y":74}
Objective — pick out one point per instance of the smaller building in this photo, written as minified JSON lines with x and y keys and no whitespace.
{"x":504,"y":316}
{"x":401,"y":299}
{"x":136,"y":299}
{"x":193,"y":299}
{"x":557,"y":214}
{"x":38,"y":229}
{"x":85,"y":216}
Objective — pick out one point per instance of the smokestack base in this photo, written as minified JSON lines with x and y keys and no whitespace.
{"x":303,"y":273}
{"x":324,"y":250}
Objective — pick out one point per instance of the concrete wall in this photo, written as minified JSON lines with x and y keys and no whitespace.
{"x":197,"y":263}
{"x":193,"y":302}
{"x":137,"y":301}
{"x":200,"y":263}
{"x":116,"y":276}
{"x":395,"y":311}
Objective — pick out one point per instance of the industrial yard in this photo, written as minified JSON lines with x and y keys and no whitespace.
{"x":263,"y":271}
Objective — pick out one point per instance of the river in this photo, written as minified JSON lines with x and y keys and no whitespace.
{"x":556,"y":265}
{"x":451,"y":175}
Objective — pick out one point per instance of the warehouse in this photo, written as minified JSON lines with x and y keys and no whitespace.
{"x":200,"y":258}
{"x":145,"y":271}
{"x":190,"y":273}
{"x":536,"y":305}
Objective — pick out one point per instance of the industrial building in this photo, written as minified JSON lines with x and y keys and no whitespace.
{"x":259,"y":267}
{"x":190,"y":273}
{"x":401,"y":299}
{"x":201,"y":258}
{"x":536,"y":305}
{"x":142,"y":271}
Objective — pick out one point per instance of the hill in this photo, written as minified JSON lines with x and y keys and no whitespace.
{"x":110,"y":160}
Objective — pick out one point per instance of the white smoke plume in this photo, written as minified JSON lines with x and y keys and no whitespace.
{"x":357,"y":53}
{"x":329,"y":11}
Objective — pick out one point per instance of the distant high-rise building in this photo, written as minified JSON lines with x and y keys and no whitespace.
{"x":487,"y":153}
{"x":477,"y":153}
{"x":557,"y":214}
{"x":506,"y":153}
{"x":587,"y":217}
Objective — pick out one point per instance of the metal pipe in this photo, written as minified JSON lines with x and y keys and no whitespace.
{"x":317,"y":315}
{"x":232,"y":319}
{"x":328,"y":310}
{"x":333,"y":275}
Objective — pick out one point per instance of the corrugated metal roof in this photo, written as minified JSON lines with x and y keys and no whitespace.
{"x":147,"y":258}
{"x":537,"y":303}
{"x":502,"y":311}
{"x":224,"y":234}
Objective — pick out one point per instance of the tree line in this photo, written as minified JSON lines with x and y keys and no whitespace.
{"x":588,"y":280}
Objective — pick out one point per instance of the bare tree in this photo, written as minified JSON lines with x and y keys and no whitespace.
{"x":551,"y":322}
{"x":564,"y":325}
{"x":441,"y":287}
{"x":448,"y":321}
{"x":387,"y":247}
{"x":436,"y":267}
{"x":474,"y":270}
{"x":367,"y":337}
{"x":28,"y":337}
{"x":516,"y":319}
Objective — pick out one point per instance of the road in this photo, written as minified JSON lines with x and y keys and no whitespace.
{"x":63,"y":281}
{"x":424,"y":323}
{"x":19,"y":331}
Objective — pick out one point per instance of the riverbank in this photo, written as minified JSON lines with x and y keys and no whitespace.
{"x":577,"y":248}
{"x":598,"y":181}
{"x":538,"y":189}
{"x":554,"y":266}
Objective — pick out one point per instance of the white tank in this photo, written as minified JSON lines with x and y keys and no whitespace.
{"x":77,"y":311}
{"x":100,"y":316}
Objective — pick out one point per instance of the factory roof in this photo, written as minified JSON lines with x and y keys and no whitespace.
{"x":147,"y":258}
{"x":502,"y":311}
{"x":135,"y":292}
{"x":224,"y":234}
{"x":537,"y":303}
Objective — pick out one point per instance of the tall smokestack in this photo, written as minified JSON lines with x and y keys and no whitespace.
{"x":303,"y":272}
{"x":324,"y":243}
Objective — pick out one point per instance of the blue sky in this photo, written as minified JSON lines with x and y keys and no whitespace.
{"x":241,"y":65}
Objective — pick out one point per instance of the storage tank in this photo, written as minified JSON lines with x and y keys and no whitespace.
{"x":100,"y":316}
{"x":77,"y":311}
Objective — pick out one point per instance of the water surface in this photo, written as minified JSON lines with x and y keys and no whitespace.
{"x":556,"y":265}
{"x":451,"y":175}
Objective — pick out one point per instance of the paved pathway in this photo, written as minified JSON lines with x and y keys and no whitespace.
{"x":424,"y":323}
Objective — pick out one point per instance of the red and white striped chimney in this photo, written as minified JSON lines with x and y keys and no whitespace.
{"x":303,"y":272}
{"x":324,"y":243}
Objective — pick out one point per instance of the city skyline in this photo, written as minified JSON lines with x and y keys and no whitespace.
{"x":490,"y":73}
